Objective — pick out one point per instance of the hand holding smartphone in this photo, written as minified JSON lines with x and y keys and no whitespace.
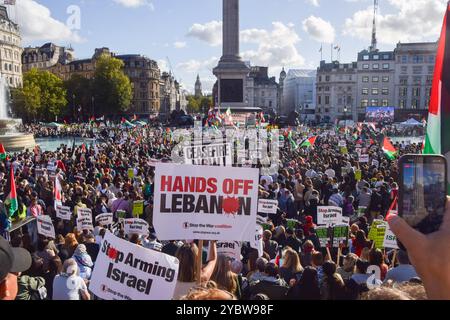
{"x":423,"y":191}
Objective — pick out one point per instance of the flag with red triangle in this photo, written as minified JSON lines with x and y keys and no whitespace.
{"x":437,"y":140}
{"x":12,"y":195}
{"x":57,"y":192}
{"x":388,"y":149}
{"x":2,"y":152}
{"x":309,"y":142}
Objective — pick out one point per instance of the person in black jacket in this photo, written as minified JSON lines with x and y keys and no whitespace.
{"x":307,"y":288}
{"x":292,"y":241}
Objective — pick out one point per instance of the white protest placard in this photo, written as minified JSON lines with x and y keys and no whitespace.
{"x":390,"y":239}
{"x":136,"y":226}
{"x":231,"y":249}
{"x":201,"y":202}
{"x":267,"y":206}
{"x":257,"y":242}
{"x":84,"y":224}
{"x":329,"y":215}
{"x":45,"y":226}
{"x":342,"y":143}
{"x":104,"y":219}
{"x":208,"y":154}
{"x":125,"y":271}
{"x":364,"y":158}
{"x":375,"y":163}
{"x":345,"y":220}
{"x":84,"y":213}
{"x":63,"y":212}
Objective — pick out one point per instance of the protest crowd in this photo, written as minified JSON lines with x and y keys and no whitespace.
{"x":352,"y":169}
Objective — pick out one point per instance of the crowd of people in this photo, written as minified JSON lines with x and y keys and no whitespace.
{"x":293,"y":266}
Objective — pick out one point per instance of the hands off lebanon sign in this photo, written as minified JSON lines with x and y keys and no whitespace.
{"x":202,"y":202}
{"x":125,"y":271}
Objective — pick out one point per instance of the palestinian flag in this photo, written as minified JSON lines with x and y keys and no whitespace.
{"x":2,"y":152}
{"x":294,"y":144}
{"x":437,"y":140}
{"x":309,"y":142}
{"x":388,"y":149}
{"x":12,"y":195}
{"x":57,"y":192}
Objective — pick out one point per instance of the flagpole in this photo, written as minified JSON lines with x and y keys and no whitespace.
{"x":331,"y":53}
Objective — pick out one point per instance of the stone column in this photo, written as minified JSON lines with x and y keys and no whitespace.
{"x":230,"y":28}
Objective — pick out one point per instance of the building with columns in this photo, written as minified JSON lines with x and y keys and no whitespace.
{"x":46,"y":56}
{"x":262,"y":91}
{"x":10,"y":50}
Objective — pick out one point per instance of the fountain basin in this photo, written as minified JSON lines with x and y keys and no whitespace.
{"x":12,"y":140}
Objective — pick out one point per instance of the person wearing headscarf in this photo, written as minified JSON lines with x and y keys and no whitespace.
{"x":84,"y":261}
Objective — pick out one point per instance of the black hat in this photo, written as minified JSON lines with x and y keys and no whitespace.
{"x":12,"y":259}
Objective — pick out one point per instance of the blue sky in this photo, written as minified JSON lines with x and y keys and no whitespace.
{"x":276,"y":33}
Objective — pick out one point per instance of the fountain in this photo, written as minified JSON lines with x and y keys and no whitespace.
{"x":10,"y":137}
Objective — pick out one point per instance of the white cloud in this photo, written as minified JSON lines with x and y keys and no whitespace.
{"x":315,"y":3}
{"x":194,"y":66}
{"x":179,"y":44}
{"x":210,"y":32}
{"x":136,"y":3}
{"x":414,"y":20}
{"x":37,"y":24}
{"x":319,"y":29}
{"x":276,"y":48}
{"x":163,"y":65}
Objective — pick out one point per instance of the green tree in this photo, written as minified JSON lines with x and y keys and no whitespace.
{"x":43,"y":96}
{"x":79,"y":94}
{"x":193,"y":105}
{"x":112,"y":88}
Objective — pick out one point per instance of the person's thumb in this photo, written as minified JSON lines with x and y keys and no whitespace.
{"x":410,"y":237}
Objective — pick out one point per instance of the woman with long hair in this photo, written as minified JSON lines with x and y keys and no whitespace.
{"x":70,"y":243}
{"x":188,"y":276}
{"x":376,"y":258}
{"x":307,"y":288}
{"x":360,"y":242}
{"x":224,"y":277}
{"x":291,"y":268}
{"x":332,"y":286}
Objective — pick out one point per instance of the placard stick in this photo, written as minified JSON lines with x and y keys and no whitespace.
{"x":200,"y":262}
{"x":329,"y":254}
{"x":394,"y":256}
{"x":338,"y":256}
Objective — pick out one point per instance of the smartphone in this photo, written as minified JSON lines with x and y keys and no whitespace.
{"x":423,"y":191}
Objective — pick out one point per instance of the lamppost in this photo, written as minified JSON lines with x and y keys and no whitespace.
{"x":345,"y":113}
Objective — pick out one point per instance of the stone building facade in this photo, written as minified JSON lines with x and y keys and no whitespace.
{"x":46,"y":56}
{"x":10,"y":50}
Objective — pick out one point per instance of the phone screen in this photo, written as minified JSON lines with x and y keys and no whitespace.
{"x":423,"y":192}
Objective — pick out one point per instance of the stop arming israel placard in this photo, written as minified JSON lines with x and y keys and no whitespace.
{"x":125,"y":271}
{"x":84,"y":213}
{"x":208,"y":154}
{"x":45,"y":226}
{"x":329,"y":215}
{"x":201,"y":202}
{"x":63,"y":212}
{"x":136,"y":226}
{"x":104,"y":219}
{"x":267,"y":206}
{"x":231,"y":249}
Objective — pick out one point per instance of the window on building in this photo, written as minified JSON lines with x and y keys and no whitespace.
{"x":366,"y":57}
{"x":376,"y":66}
{"x":430,"y":69}
{"x":365,"y":79}
{"x":404,"y":69}
{"x":402,"y":104}
{"x":431,"y":59}
{"x":386,"y":57}
{"x":415,"y":104}
{"x":327,"y":78}
{"x":416,"y":92}
{"x":263,"y":93}
{"x":417,"y":70}
{"x":320,"y":78}
{"x":327,"y":89}
{"x":404,"y":59}
{"x":417,"y":80}
{"x":365,"y":66}
{"x":374,"y":102}
{"x":350,"y":78}
{"x":385,"y":103}
{"x":385,"y":79}
{"x":364,"y":103}
{"x":375,"y":79}
{"x":340,"y":101}
{"x":386,"y":66}
{"x":404,"y":81}
{"x":385,"y":91}
{"x":327,"y":110}
{"x":319,"y":100}
{"x":365,"y":91}
{"x":376,"y":57}
{"x":319,"y":89}
{"x":428,"y":92}
{"x":375,"y":91}
{"x":403,"y":92}
{"x":327,"y":100}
